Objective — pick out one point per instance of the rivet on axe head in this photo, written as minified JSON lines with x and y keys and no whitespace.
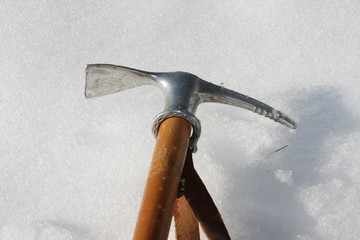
{"x":183,"y":92}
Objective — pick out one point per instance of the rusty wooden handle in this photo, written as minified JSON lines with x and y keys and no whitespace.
{"x":163,"y":180}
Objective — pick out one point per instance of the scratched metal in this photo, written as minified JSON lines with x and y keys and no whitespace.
{"x":183,"y":92}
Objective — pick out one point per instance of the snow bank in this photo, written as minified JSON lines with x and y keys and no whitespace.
{"x":73,"y":168}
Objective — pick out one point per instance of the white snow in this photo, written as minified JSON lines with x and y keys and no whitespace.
{"x":73,"y":168}
{"x":284,"y":176}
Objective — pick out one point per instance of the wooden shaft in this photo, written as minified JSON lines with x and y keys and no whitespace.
{"x":163,"y":180}
{"x":186,"y":224}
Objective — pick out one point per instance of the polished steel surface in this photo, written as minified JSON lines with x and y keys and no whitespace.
{"x":183,"y":92}
{"x":195,"y":123}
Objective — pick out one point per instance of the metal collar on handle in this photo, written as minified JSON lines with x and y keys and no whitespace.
{"x":195,"y":123}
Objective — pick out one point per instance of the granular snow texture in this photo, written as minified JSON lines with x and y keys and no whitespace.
{"x":73,"y":168}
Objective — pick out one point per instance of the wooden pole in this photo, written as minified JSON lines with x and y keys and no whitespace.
{"x":186,"y":224}
{"x":163,"y":180}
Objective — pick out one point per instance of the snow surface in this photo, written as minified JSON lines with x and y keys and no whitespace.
{"x":73,"y":168}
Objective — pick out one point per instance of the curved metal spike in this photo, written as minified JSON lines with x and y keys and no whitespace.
{"x":215,"y":93}
{"x":183,"y":92}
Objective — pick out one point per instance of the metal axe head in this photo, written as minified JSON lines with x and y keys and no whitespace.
{"x":183,"y":92}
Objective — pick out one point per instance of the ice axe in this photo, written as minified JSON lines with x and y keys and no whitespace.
{"x":176,"y":129}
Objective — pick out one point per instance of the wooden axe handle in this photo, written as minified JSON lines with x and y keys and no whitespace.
{"x":163,"y":180}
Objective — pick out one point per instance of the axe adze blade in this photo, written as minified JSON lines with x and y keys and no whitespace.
{"x":104,"y":79}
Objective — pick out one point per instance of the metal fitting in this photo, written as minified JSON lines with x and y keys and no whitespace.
{"x":183,"y":93}
{"x":195,"y":123}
